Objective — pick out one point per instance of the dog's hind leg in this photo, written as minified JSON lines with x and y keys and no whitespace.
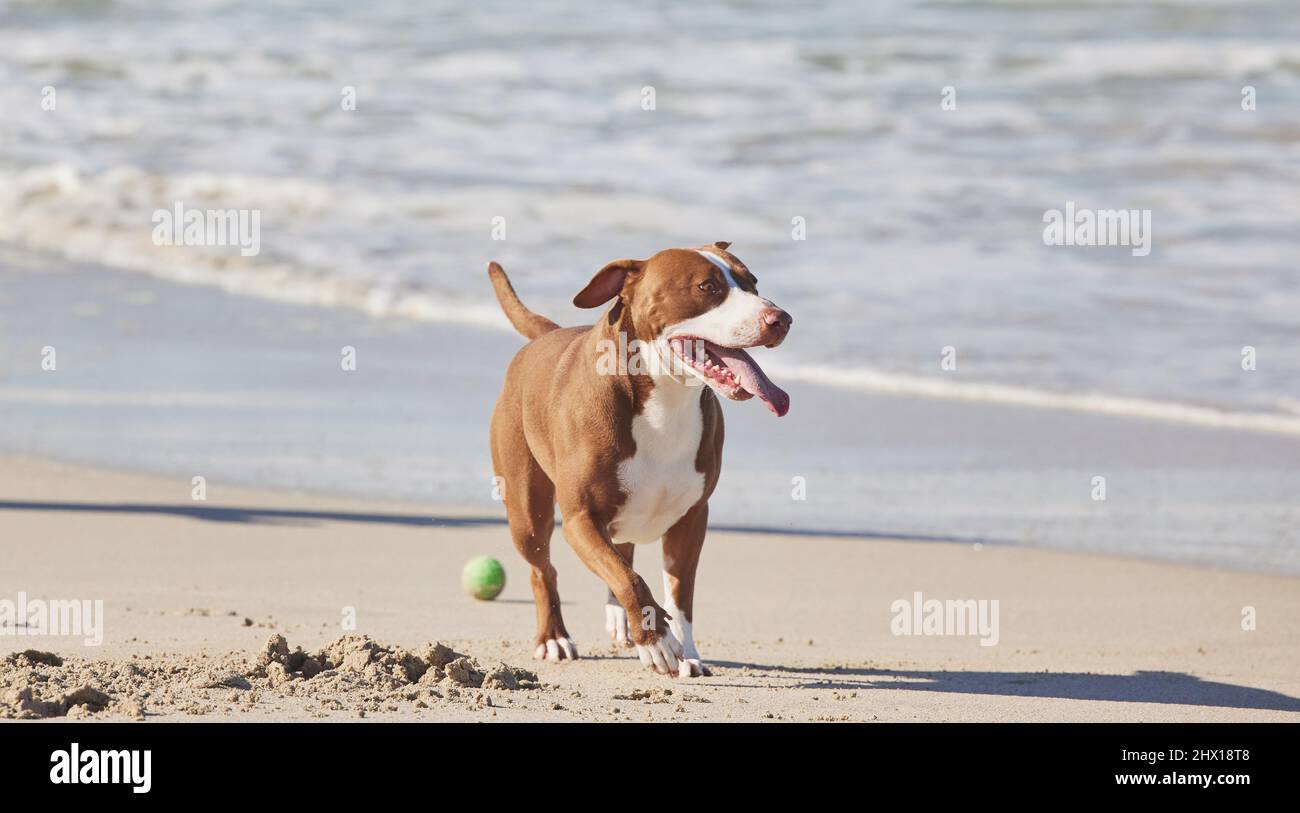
{"x":531,"y":512}
{"x":529,"y":496}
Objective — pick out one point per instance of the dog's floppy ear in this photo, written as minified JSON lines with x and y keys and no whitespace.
{"x":607,"y":283}
{"x":722,"y":245}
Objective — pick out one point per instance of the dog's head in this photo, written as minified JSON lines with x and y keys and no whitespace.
{"x":699,"y":309}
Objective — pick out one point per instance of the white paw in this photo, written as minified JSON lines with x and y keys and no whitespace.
{"x":663,"y":655}
{"x":692,"y":667}
{"x":616,"y":624}
{"x":556,"y":649}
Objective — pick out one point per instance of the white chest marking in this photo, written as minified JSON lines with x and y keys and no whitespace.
{"x":660,"y":479}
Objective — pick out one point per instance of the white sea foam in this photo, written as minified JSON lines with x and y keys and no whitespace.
{"x":1227,"y":59}
{"x":170,"y":399}
{"x":57,"y":209}
{"x":899,"y":384}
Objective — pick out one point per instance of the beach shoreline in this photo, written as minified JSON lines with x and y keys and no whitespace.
{"x":187,"y":381}
{"x":798,"y":628}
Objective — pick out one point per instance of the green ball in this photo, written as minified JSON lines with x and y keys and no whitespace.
{"x":483,"y":578}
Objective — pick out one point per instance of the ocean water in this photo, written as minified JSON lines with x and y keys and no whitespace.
{"x":923,"y":225}
{"x":923,"y":231}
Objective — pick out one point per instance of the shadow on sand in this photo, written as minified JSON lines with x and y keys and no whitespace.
{"x":1174,"y":688}
{"x":276,"y":516}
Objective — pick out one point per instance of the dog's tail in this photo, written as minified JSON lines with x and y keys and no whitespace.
{"x":525,"y":321}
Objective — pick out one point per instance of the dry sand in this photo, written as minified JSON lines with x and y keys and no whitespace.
{"x":233,"y":609}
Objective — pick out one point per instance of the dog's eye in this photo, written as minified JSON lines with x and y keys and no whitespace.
{"x":709,"y":287}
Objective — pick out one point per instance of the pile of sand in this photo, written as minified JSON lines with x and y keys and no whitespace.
{"x":352,"y":673}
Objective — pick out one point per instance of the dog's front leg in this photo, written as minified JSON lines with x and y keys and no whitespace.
{"x":616,"y":621}
{"x":682,"y":545}
{"x":655,"y":643}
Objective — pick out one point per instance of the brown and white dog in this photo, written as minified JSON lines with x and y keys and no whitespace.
{"x":632,"y":450}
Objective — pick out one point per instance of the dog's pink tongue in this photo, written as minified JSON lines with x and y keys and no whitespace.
{"x":753,"y":379}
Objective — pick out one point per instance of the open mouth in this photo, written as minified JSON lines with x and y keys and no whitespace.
{"x":731,"y":371}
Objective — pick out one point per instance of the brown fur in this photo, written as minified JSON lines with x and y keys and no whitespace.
{"x":559,"y":432}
